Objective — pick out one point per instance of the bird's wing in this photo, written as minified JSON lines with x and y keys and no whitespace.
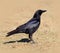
{"x":31,"y":24}
{"x":21,"y":27}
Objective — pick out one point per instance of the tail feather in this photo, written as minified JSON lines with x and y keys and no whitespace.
{"x":11,"y":33}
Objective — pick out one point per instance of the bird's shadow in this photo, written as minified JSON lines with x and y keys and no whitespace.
{"x":22,"y":40}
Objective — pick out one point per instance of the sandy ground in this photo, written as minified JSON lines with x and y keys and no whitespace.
{"x":16,"y":12}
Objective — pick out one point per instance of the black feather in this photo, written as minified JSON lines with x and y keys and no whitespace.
{"x":30,"y":27}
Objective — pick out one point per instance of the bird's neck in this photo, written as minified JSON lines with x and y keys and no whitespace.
{"x":37,"y":16}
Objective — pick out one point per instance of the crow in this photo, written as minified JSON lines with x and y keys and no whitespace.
{"x":30,"y":27}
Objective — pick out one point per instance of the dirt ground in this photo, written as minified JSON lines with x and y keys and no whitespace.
{"x":17,"y":12}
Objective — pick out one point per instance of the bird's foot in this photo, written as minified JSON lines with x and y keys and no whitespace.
{"x":32,"y":42}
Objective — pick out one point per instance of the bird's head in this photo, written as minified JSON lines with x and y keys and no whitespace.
{"x":40,"y":11}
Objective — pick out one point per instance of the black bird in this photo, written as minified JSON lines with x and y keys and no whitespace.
{"x":30,"y":27}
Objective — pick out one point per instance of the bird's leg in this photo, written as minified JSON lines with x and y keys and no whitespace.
{"x":30,"y":37}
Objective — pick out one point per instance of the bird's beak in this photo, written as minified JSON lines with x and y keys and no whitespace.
{"x":44,"y":10}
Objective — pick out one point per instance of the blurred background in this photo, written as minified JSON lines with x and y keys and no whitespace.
{"x":17,"y":12}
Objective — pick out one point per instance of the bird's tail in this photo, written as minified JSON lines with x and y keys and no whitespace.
{"x":11,"y":33}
